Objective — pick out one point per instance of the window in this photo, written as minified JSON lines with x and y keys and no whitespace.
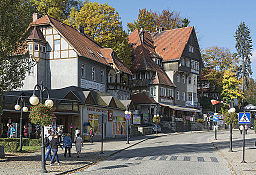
{"x":191,"y":49}
{"x":101,"y":75}
{"x":161,"y":91}
{"x":189,"y":96}
{"x":31,"y":47}
{"x":189,"y":80}
{"x":171,"y":92}
{"x":194,"y":80}
{"x":153,"y":91}
{"x":178,"y":78}
{"x":182,"y":61}
{"x":167,"y":92}
{"x":178,"y":95}
{"x":184,"y":79}
{"x":83,"y":71}
{"x":44,"y":49}
{"x":93,"y":73}
{"x":194,"y":96}
{"x":188,"y":63}
{"x":36,"y":47}
{"x":184,"y":96}
{"x":57,"y":45}
{"x":134,"y":76}
{"x":164,"y":94}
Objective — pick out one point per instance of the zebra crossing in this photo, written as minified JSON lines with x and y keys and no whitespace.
{"x":168,"y":158}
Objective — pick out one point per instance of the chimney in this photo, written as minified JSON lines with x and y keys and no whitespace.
{"x":81,"y":29}
{"x":35,"y":17}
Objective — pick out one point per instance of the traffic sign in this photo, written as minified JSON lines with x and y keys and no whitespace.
{"x":128,"y":116}
{"x":215,"y":118}
{"x":244,"y":117}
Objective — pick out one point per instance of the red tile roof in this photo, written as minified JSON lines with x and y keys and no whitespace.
{"x":112,"y":58}
{"x":36,"y":34}
{"x":142,"y":98}
{"x":82,"y":43}
{"x":171,"y":43}
{"x":143,"y":53}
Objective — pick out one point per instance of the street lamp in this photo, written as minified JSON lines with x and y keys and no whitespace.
{"x":17,"y":107}
{"x":34,"y":100}
{"x":231,"y":110}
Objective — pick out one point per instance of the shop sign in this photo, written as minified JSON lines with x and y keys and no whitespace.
{"x":96,"y":110}
{"x":110,"y":115}
{"x":136,"y":119}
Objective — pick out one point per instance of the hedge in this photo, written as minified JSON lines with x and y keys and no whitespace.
{"x":13,"y":144}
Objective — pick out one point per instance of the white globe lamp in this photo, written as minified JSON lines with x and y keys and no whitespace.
{"x":49,"y":103}
{"x":17,"y":107}
{"x":25,"y":109}
{"x":34,"y":100}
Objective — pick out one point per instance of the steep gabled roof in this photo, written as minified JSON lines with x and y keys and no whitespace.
{"x":142,"y":98}
{"x":170,"y":44}
{"x":143,"y":52}
{"x":36,"y":34}
{"x":112,"y":58}
{"x":82,"y":43}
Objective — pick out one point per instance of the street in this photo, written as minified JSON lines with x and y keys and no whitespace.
{"x":188,"y":153}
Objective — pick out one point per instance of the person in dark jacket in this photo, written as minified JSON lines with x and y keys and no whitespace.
{"x":47,"y":141}
{"x":67,"y":144}
{"x":54,"y":143}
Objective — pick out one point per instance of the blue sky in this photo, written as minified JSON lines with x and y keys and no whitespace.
{"x":215,"y":21}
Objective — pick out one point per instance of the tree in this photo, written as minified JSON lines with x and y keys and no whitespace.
{"x":102,"y":23}
{"x":59,"y":9}
{"x":250,"y":92}
{"x":14,"y":63}
{"x":244,"y":51}
{"x":152,"y":21}
{"x":231,"y":88}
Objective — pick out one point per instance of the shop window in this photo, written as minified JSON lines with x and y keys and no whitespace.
{"x":94,"y":123}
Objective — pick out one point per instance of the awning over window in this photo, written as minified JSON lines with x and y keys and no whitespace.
{"x":178,"y":108}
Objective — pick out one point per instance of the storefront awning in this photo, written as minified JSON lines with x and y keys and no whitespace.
{"x":178,"y":108}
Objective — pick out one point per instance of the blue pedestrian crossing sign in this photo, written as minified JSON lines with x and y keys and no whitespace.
{"x":244,"y":117}
{"x":215,"y":118}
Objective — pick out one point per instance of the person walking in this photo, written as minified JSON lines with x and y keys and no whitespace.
{"x":91,"y":135}
{"x":78,"y":142}
{"x":60,"y":132}
{"x":12,"y":131}
{"x":25,"y":131}
{"x":54,"y":143}
{"x":48,"y":146}
{"x":67,"y":144}
{"x":246,"y":129}
{"x":241,"y":128}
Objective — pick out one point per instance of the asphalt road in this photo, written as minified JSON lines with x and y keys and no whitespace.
{"x":188,"y":154}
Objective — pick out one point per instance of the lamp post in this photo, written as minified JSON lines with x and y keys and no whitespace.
{"x":231,"y":110}
{"x":17,"y":107}
{"x":34,"y":100}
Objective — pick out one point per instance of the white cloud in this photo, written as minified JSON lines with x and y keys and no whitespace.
{"x":253,"y":57}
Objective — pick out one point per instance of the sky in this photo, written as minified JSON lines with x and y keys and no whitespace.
{"x":215,"y":21}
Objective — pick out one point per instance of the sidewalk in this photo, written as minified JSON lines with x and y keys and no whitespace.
{"x":234,"y":158}
{"x":30,"y":163}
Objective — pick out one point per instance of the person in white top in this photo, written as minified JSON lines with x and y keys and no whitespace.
{"x":78,"y":141}
{"x":241,"y":128}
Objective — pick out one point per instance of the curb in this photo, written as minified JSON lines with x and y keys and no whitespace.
{"x":222,"y":155}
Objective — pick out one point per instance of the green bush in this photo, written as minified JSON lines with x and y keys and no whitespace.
{"x":10,"y":144}
{"x":199,"y":120}
{"x":35,"y":142}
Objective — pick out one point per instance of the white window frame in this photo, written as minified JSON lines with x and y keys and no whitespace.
{"x":56,"y":44}
{"x":191,"y":49}
{"x":190,"y":94}
{"x":184,"y":79}
{"x":178,"y":95}
{"x":184,"y":96}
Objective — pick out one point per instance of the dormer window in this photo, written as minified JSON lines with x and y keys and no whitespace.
{"x":191,"y":49}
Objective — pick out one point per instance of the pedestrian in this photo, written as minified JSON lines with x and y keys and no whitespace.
{"x":91,"y":135}
{"x":25,"y":131}
{"x":8,"y":131}
{"x":60,"y":132}
{"x":67,"y":144}
{"x":12,"y":131}
{"x":78,"y":142}
{"x":241,"y":128}
{"x":76,"y":132}
{"x":245,"y":128}
{"x":47,"y":141}
{"x":54,"y":143}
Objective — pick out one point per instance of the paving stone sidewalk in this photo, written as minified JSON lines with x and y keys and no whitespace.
{"x":30,"y":163}
{"x":234,"y":158}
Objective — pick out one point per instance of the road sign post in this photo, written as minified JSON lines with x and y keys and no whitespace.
{"x":128,"y":117}
{"x":215,"y":120}
{"x":244,"y":118}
